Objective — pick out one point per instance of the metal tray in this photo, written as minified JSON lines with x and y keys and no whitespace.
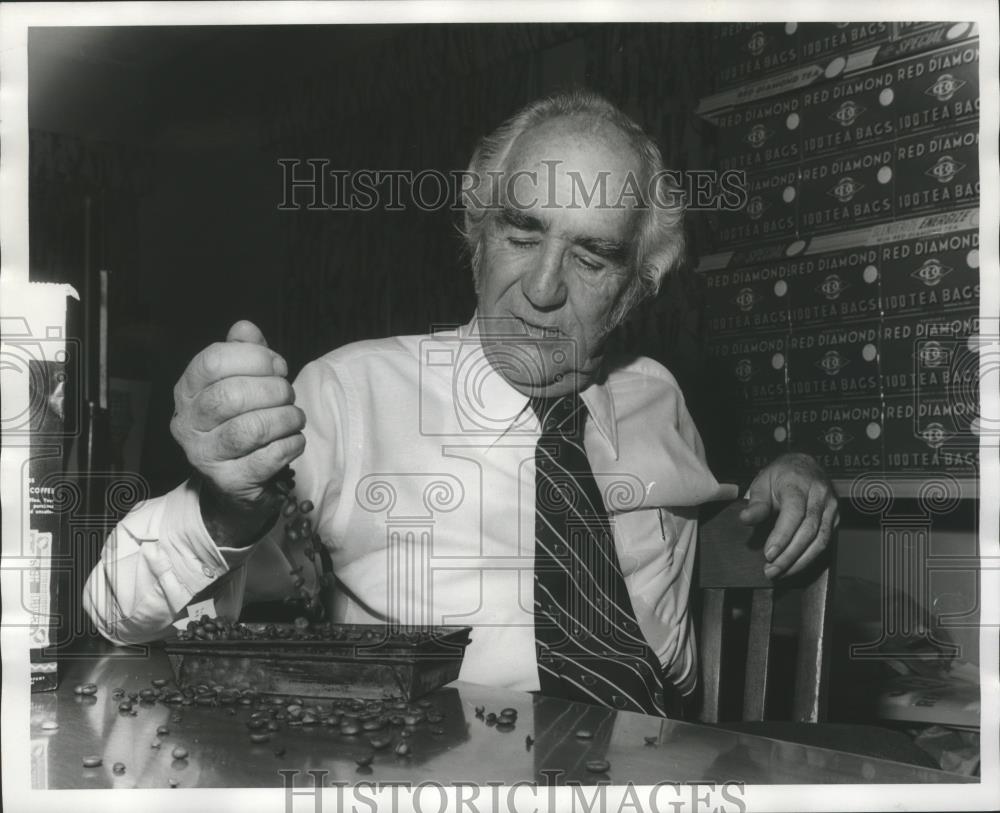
{"x":357,"y":660}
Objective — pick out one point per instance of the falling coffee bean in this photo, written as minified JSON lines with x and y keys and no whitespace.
{"x":179,"y":752}
{"x":365,"y":761}
{"x":403,"y":749}
{"x":162,"y":730}
{"x":259,"y":737}
{"x":172,"y":782}
{"x":598,"y":766}
{"x":584,"y":734}
{"x":118,"y":768}
{"x":650,"y":740}
{"x":92,"y":762}
{"x":50,"y":725}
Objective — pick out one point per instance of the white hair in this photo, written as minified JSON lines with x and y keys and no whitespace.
{"x":658,"y":247}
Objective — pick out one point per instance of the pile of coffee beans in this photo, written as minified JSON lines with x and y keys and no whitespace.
{"x":217,"y":629}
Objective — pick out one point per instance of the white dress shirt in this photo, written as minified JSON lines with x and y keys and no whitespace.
{"x":420,"y":461}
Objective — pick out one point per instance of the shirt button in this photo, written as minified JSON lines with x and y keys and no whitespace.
{"x":209,"y":573}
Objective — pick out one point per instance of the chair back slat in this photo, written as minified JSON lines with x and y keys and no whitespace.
{"x":812,"y":667}
{"x":758,"y":652}
{"x":710,"y":655}
{"x":730,"y":556}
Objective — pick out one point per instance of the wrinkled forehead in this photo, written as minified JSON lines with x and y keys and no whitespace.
{"x":578,"y":168}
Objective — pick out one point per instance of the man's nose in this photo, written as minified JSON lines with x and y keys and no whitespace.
{"x":543,"y":285}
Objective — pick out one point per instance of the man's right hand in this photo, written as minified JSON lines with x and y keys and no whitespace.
{"x":235,"y":419}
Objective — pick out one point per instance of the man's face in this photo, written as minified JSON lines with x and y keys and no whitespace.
{"x":554,"y":264}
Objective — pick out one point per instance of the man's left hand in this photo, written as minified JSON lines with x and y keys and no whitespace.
{"x":797,"y":488}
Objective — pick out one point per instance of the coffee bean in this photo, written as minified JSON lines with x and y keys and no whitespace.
{"x":378,"y":743}
{"x":372,"y":725}
{"x":50,"y":725}
{"x":598,"y":766}
{"x":365,"y":761}
{"x":508,"y":712}
{"x":505,"y":726}
{"x":350,"y":728}
{"x":402,"y":749}
{"x":92,"y":762}
{"x":179,"y":752}
{"x":306,"y":506}
{"x":651,"y":740}
{"x":259,"y":737}
{"x":256,"y":725}
{"x":528,"y":742}
{"x":89,"y":688}
{"x":172,"y":782}
{"x":118,"y":768}
{"x":290,"y":508}
{"x":125,"y":705}
{"x":584,"y":734}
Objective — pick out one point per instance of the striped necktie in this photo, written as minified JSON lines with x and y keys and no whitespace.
{"x":588,"y":644}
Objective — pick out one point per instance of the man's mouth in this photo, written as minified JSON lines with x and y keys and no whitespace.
{"x":537,"y":331}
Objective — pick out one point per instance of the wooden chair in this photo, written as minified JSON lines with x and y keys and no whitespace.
{"x":731,"y":556}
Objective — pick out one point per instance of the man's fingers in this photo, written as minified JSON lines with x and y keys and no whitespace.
{"x":265,"y":463}
{"x":248,"y":432}
{"x":790,"y":513}
{"x":755,"y":511}
{"x":225,"y":359}
{"x":246,"y":331}
{"x":820,"y":540}
{"x":233,"y":396}
{"x":804,"y":534}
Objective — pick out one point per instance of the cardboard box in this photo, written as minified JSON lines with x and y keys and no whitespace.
{"x":937,"y":89}
{"x":838,"y":362}
{"x":846,"y":190}
{"x":930,"y":355}
{"x":742,"y":299}
{"x":760,"y":135}
{"x":752,"y":365}
{"x":39,"y":422}
{"x":844,"y":436}
{"x":848,"y":114}
{"x":833,"y":286}
{"x":751,"y":50}
{"x":929,"y":434}
{"x":937,"y":170}
{"x":819,"y":40}
{"x":770,"y":211}
{"x":930,"y":274}
{"x":763,"y":435}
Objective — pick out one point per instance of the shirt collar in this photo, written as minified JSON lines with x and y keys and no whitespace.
{"x":503,"y":408}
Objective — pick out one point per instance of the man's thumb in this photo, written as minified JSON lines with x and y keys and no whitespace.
{"x":244,"y":331}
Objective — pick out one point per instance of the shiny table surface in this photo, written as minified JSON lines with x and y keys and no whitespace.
{"x":468,"y":750}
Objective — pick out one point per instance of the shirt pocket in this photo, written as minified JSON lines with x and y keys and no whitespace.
{"x":644,"y":541}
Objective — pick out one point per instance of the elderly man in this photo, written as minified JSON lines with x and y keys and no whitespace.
{"x":508,"y":475}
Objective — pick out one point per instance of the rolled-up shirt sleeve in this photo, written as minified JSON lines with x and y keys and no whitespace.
{"x":155,"y":561}
{"x":161,"y":557}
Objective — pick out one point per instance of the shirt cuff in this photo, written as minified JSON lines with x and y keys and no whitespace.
{"x":194,"y":557}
